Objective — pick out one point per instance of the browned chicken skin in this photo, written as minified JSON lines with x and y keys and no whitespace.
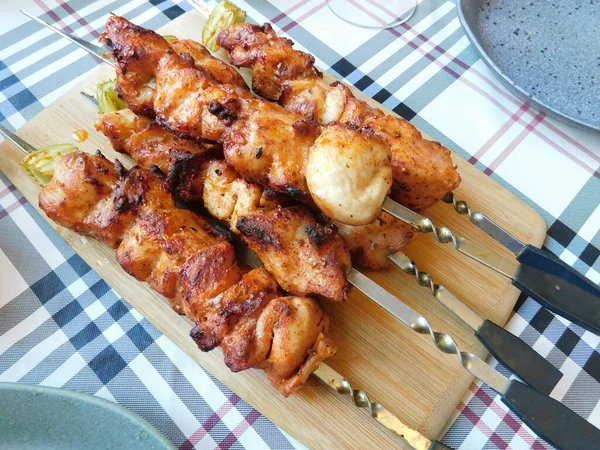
{"x":423,"y":171}
{"x":304,"y":256}
{"x":295,"y":248}
{"x":221,"y":72}
{"x":264,"y":142}
{"x":184,"y":258}
{"x":370,"y":244}
{"x":134,"y":212}
{"x":304,"y":259}
{"x":149,"y":145}
{"x":272,"y":59}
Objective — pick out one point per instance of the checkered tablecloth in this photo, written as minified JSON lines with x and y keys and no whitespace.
{"x":61,"y":325}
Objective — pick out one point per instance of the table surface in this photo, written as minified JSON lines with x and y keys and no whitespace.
{"x":61,"y":325}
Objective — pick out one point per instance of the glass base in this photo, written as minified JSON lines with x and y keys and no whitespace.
{"x":376,"y":14}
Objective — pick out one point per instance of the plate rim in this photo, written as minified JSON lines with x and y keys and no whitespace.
{"x":513,"y":87}
{"x":91,"y":399}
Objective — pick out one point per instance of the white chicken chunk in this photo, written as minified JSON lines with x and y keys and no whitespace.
{"x":349,"y":174}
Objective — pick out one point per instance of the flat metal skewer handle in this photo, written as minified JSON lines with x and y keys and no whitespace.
{"x":549,"y":418}
{"x":508,"y":349}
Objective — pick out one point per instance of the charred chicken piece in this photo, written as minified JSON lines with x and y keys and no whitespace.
{"x":287,"y":240}
{"x":371,"y":244}
{"x":264,"y":142}
{"x":258,"y":327}
{"x":185,"y":258}
{"x":423,"y":170}
{"x":272,"y":59}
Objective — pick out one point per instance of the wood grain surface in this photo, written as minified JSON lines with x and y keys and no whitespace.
{"x":394,"y":365}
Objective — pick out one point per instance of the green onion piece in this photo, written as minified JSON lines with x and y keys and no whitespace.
{"x":108,"y":100}
{"x":224,"y":15}
{"x":42,"y":163}
{"x":170,"y":38}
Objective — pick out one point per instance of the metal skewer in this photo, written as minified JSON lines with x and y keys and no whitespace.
{"x":444,"y":235}
{"x":483,"y":222}
{"x":324,"y":372}
{"x":94,"y":50}
{"x":526,"y":254}
{"x":508,"y":349}
{"x":544,"y":277}
{"x":377,"y":411}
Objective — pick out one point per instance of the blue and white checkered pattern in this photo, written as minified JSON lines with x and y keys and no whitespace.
{"x":61,"y":325}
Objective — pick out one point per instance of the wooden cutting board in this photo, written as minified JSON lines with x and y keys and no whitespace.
{"x":394,"y":365}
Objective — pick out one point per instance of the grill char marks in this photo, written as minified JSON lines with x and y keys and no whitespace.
{"x":253,"y":46}
{"x":177,"y":254}
{"x":423,"y":170}
{"x":320,"y":259}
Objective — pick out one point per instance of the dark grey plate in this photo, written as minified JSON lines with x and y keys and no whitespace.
{"x":34,"y":417}
{"x":547,"y":52}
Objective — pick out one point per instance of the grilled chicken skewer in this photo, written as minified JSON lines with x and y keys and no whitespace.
{"x":422,"y":169}
{"x":184,"y":258}
{"x":536,"y":274}
{"x":348,"y":167}
{"x":506,"y":348}
{"x":291,"y":230}
{"x":228,"y":197}
{"x":264,"y":142}
{"x":369,"y":244}
{"x":257,"y":136}
{"x":231,"y":317}
{"x":288,"y":239}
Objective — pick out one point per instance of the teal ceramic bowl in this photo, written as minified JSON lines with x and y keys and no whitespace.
{"x":34,"y":417}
